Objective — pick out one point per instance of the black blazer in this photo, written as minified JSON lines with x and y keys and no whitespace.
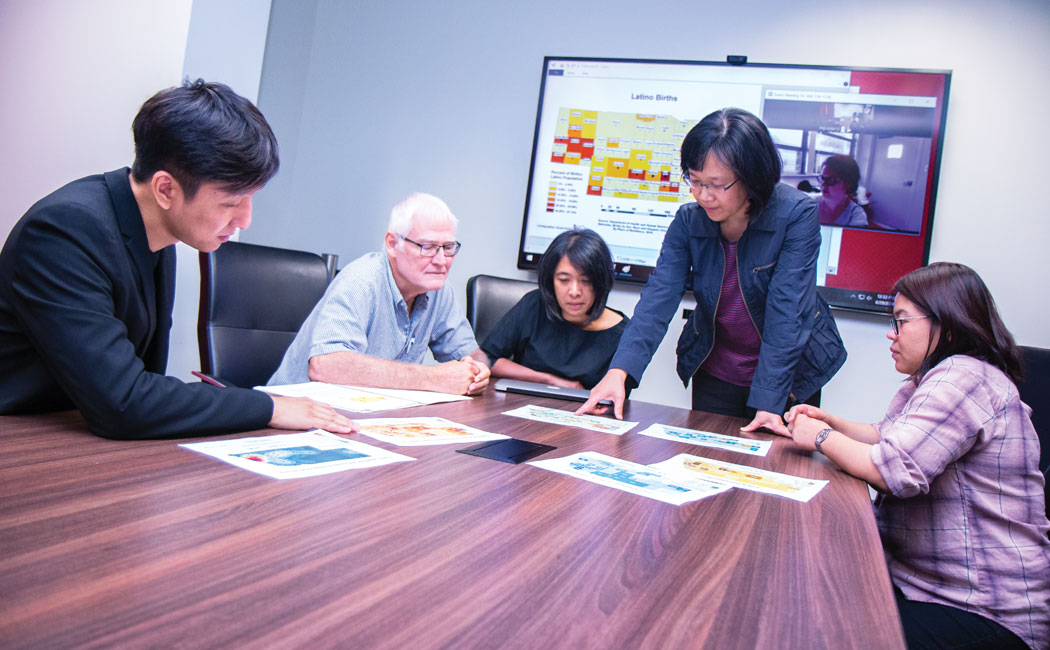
{"x":85,"y":314}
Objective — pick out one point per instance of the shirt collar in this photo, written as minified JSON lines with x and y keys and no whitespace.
{"x":395,"y":292}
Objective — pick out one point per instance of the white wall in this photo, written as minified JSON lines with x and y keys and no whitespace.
{"x":380,"y":99}
{"x":73,"y":76}
{"x":226,"y":42}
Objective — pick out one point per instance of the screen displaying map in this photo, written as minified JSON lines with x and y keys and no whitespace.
{"x":606,"y":157}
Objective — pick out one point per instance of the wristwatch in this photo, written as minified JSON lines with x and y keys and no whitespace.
{"x":821,"y":437}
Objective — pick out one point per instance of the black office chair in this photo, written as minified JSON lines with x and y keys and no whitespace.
{"x":489,"y":298}
{"x":253,"y":301}
{"x":1035,"y":392}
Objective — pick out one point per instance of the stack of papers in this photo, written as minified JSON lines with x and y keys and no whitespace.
{"x":680,"y":479}
{"x":745,"y":477}
{"x":632,"y":477}
{"x":359,"y":399}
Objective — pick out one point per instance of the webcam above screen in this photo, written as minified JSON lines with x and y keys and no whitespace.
{"x":864,"y":142}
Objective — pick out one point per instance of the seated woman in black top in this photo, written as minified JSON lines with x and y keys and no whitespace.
{"x":561,"y":334}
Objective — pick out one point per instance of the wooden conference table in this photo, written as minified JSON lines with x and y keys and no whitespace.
{"x":126,"y":544}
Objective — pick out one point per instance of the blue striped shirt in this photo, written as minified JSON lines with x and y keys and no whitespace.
{"x":363,"y":311}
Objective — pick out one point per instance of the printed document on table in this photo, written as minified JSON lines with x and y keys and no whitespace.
{"x":361,"y":399}
{"x":422,"y":431}
{"x":566,"y":418}
{"x":632,"y":477}
{"x":708,"y":439}
{"x":294,"y":455}
{"x":742,"y":476}
{"x":422,"y":397}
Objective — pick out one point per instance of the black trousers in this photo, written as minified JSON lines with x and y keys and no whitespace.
{"x":932,"y":626}
{"x":713,"y":395}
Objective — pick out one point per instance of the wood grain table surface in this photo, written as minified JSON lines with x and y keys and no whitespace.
{"x":129,"y":544}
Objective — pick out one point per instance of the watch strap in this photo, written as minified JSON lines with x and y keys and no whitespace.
{"x":822,"y":435}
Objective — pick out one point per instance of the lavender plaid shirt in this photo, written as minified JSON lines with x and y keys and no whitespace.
{"x":965,"y":523}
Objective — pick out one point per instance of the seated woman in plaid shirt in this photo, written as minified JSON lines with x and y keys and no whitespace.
{"x":961,"y":506}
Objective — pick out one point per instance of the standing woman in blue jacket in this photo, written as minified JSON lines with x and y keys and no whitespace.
{"x":760,"y":339}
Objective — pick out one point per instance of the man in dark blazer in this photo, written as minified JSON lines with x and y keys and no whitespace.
{"x":87,"y":277}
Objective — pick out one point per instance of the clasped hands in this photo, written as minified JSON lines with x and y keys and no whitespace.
{"x":481,"y":376}
{"x":804,"y":422}
{"x":468,"y":375}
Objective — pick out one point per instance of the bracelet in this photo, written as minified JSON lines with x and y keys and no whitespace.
{"x":821,"y":437}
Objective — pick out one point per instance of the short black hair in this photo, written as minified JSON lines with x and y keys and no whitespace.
{"x":958,"y":302}
{"x":204,"y":132}
{"x":743,"y":144}
{"x":590,"y":256}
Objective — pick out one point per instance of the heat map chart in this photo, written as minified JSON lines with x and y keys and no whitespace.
{"x":626,"y":155}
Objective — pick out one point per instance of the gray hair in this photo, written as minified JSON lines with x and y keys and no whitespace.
{"x":404,"y":214}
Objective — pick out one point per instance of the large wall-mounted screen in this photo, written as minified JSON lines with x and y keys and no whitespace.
{"x":606,"y":156}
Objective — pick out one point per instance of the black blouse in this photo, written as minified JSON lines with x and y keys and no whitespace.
{"x":525,"y":335}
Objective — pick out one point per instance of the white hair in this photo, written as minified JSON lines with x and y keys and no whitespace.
{"x":416,"y":205}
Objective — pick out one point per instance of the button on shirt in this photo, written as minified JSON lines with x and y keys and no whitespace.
{"x":363,"y":311}
{"x":964,"y":524}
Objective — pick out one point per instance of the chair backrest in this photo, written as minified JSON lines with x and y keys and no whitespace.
{"x":253,"y":301}
{"x":1035,"y":392}
{"x":489,"y":298}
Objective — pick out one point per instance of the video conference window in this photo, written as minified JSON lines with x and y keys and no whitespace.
{"x":865,"y":159}
{"x":864,"y":143}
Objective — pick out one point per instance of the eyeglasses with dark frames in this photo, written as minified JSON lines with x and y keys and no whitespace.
{"x":430,"y":249}
{"x":896,"y":322}
{"x":700,"y":187}
{"x":829,"y":180}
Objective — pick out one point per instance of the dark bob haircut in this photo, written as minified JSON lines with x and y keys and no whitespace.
{"x":742,"y":143}
{"x":959,"y":304}
{"x":589,"y":255}
{"x":845,"y":169}
{"x":204,"y":133}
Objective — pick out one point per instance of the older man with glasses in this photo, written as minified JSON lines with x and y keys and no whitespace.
{"x":382,"y":312}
